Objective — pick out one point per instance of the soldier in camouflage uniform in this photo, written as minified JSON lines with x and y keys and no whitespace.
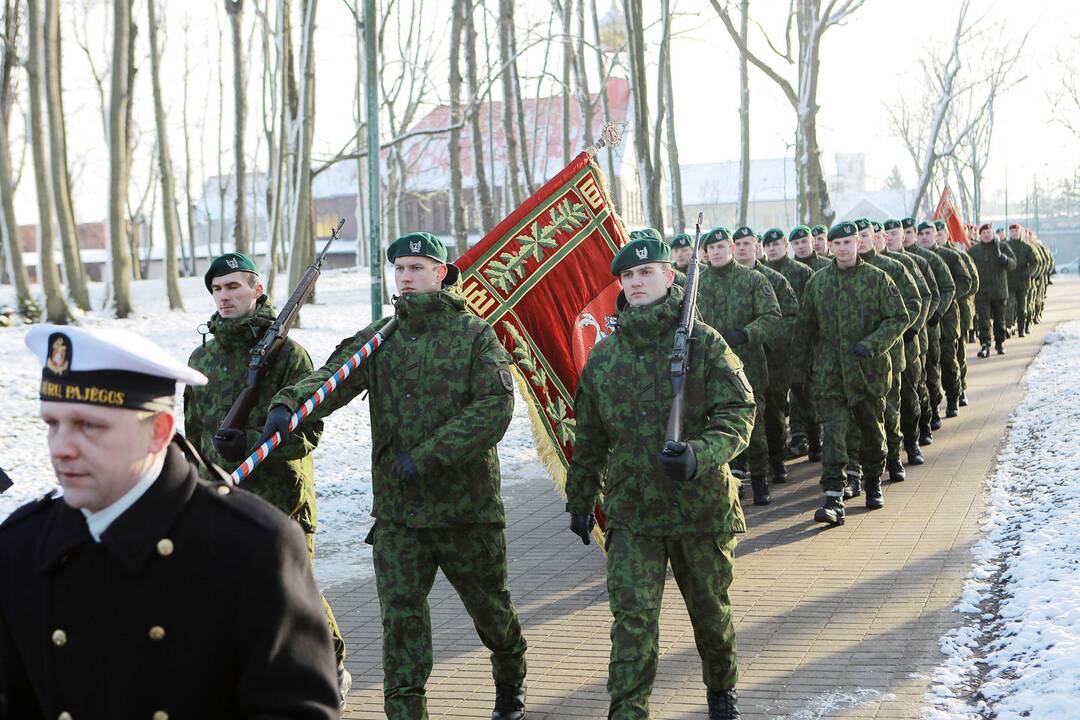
{"x":682,"y":249}
{"x":441,"y":397}
{"x":820,"y":234}
{"x":805,"y":423}
{"x":931,"y":420}
{"x":935,"y":239}
{"x":967,"y":313}
{"x":851,"y":314}
{"x":681,"y":507}
{"x":994,"y":261}
{"x":742,"y":306}
{"x":287,"y":478}
{"x":1027,"y":265}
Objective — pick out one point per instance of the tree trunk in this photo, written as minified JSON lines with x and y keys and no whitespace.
{"x":678,"y":216}
{"x":568,"y":64}
{"x":582,"y":78}
{"x":506,"y":29}
{"x":61,"y":183}
{"x":744,"y":118}
{"x":483,"y":192}
{"x":189,"y":212}
{"x":519,"y":103}
{"x":302,"y":252}
{"x":168,"y":183}
{"x":7,"y":191}
{"x":118,"y":157}
{"x":649,"y":182}
{"x":235,"y":10}
{"x":56,"y":310}
{"x":134,"y":232}
{"x":458,"y":218}
{"x":613,"y":175}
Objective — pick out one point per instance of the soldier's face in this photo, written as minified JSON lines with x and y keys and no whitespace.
{"x":879,"y":240}
{"x":719,"y":253}
{"x":894,"y":239}
{"x":776,"y":249}
{"x":1014,"y":233}
{"x":986,"y":236}
{"x":845,"y":250}
{"x":942,"y":236}
{"x":821,"y":244}
{"x":926,"y":238}
{"x":418,"y":275}
{"x":235,"y":295}
{"x":745,"y":251}
{"x":646,"y":284}
{"x":866,"y":240}
{"x":803,"y":246}
{"x":682,"y":255}
{"x":99,"y":453}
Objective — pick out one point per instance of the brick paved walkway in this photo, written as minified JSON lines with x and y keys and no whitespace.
{"x":841,"y":622}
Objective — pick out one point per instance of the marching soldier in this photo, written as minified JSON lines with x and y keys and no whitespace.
{"x":994,"y":261}
{"x":804,"y":246}
{"x":682,"y":249}
{"x":805,"y":423}
{"x":441,"y":397}
{"x":951,"y":337}
{"x":967,"y":313}
{"x":820,"y":234}
{"x":681,"y":509}
{"x":286,"y":478}
{"x":144,"y":591}
{"x":741,"y":305}
{"x":851,"y":315}
{"x":1027,"y":265}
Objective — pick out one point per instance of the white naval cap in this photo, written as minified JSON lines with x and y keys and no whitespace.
{"x":110,"y":367}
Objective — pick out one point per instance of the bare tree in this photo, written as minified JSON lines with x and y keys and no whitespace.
{"x":189,"y":212}
{"x":1066,"y":100}
{"x":668,"y":108}
{"x":648,"y":174}
{"x":56,"y":309}
{"x":303,"y":241}
{"x":566,"y":10}
{"x":235,"y":11}
{"x":10,"y":60}
{"x":809,"y":22}
{"x":458,"y":218}
{"x":119,"y":166}
{"x":509,"y":105}
{"x":604,"y":69}
{"x":483,"y":193}
{"x":58,"y":165}
{"x":744,"y":114}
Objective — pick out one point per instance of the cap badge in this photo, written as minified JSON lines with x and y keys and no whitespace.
{"x":59,"y":359}
{"x":233,"y":263}
{"x":642,"y":253}
{"x":416,"y":246}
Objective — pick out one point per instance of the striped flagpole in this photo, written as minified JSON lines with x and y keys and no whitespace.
{"x":261,"y":452}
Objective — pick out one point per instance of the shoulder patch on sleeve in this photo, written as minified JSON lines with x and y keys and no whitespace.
{"x":893,"y":290}
{"x":507,"y":380}
{"x":766,"y":290}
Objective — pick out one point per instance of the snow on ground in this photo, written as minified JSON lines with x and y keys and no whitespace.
{"x":1017,"y":655}
{"x":342,"y":461}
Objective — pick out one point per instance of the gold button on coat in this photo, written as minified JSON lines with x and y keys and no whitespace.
{"x":59,"y":638}
{"x":165,"y":547}
{"x":161,"y":715}
{"x":223,"y":490}
{"x":157,"y":633}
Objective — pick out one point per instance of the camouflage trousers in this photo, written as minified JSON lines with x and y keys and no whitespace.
{"x":1020,"y":306}
{"x":867,"y":419}
{"x":967,"y":316}
{"x":991,"y":310}
{"x":804,"y":414}
{"x":756,"y":455}
{"x":473,"y":559}
{"x":894,"y":435}
{"x":776,"y":411}
{"x":933,"y":371}
{"x":703,"y":566}
{"x":910,"y":383}
{"x":335,"y":631}
{"x":949,"y":338}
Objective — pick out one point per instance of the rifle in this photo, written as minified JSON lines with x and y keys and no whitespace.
{"x":680,"y":353}
{"x":264,"y":351}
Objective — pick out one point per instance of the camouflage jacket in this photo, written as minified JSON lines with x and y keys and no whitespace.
{"x":680,"y":273}
{"x":286,"y":479}
{"x":909,"y":293}
{"x":844,"y":307}
{"x":1027,"y":264}
{"x":621,"y":407}
{"x":973,"y":271}
{"x":965,"y":287}
{"x":925,"y":296}
{"x":796,"y":273}
{"x":439,"y":389}
{"x":736,"y":298}
{"x":993,"y":276}
{"x":927,"y":275}
{"x":814,"y":261}
{"x":778,"y":351}
{"x":945,"y":283}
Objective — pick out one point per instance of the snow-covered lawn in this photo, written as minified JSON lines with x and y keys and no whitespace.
{"x":342,"y":461}
{"x":1017,"y":655}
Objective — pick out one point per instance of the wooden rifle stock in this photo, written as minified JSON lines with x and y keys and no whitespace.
{"x":680,"y":352}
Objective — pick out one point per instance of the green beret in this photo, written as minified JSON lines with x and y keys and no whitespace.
{"x":742,"y":232}
{"x":924,"y":225}
{"x":682,"y":240}
{"x":877,"y":225}
{"x":939,"y":224}
{"x":908,"y":222}
{"x":417,"y":244}
{"x":640,"y":251}
{"x":716,"y":234}
{"x":861,"y":223}
{"x":892,"y":224}
{"x":842,"y":230}
{"x":227,"y":264}
{"x":819,"y":230}
{"x":772,"y":235}
{"x":799,"y":232}
{"x":646,"y":232}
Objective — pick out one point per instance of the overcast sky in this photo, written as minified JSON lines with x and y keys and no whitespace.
{"x":869,"y":62}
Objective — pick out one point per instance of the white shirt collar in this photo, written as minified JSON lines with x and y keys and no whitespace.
{"x":98,"y":522}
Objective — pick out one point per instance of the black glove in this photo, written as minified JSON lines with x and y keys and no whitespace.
{"x":679,"y":461}
{"x":277,"y":421}
{"x":910,"y":334}
{"x":404,"y":468}
{"x":582,"y":525}
{"x":932,"y":321}
{"x":735,"y":338}
{"x":861,"y":350}
{"x":1003,"y":259}
{"x":231,"y":444}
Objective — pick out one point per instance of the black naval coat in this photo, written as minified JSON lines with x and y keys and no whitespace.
{"x":198,"y":604}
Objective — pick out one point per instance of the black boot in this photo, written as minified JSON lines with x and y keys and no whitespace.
{"x":999,"y":348}
{"x":723,"y":705}
{"x":813,"y":452}
{"x":896,"y":470}
{"x":875,"y":500}
{"x":853,"y":488}
{"x":779,"y":472}
{"x":914,"y":455}
{"x":509,"y":701}
{"x":1020,"y":332}
{"x":971,"y":336}
{"x":925,"y":436}
{"x":984,"y":351}
{"x":760,"y":486}
{"x":742,"y":489}
{"x":935,"y":420}
{"x":953,"y":407}
{"x":832,"y":512}
{"x":962,"y":402}
{"x":798,"y":446}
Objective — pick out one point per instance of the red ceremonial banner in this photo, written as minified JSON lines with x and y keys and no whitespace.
{"x":542,"y":278}
{"x":946,"y":210}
